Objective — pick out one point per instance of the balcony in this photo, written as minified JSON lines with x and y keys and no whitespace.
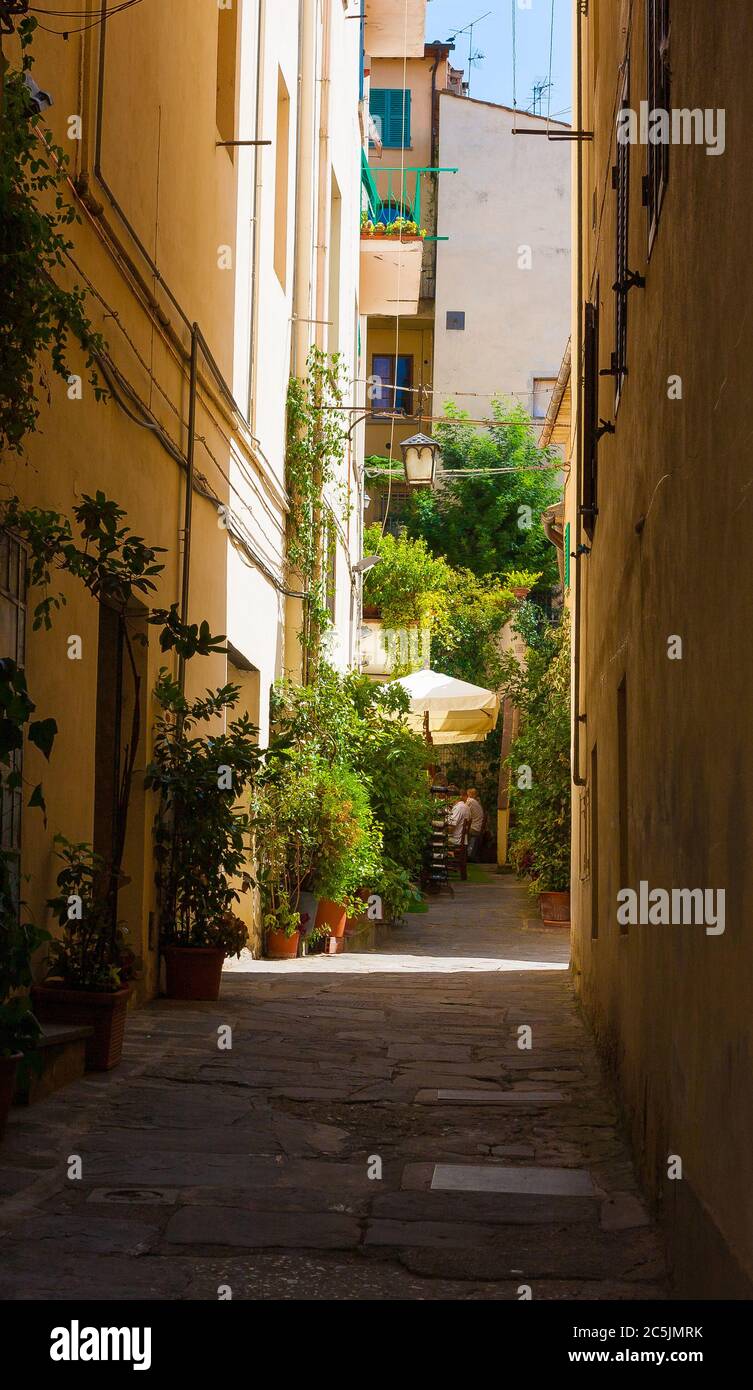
{"x":395,"y":203}
{"x":385,"y":28}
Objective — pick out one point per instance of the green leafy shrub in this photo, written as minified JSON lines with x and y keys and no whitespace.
{"x":89,"y":954}
{"x":540,"y":833}
{"x":202,"y":833}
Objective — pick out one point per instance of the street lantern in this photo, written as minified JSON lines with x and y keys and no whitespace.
{"x":420,"y":459}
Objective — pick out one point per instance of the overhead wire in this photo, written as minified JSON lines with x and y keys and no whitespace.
{"x":76,"y":14}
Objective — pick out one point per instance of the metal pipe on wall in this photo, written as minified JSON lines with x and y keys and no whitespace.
{"x":578,"y":780}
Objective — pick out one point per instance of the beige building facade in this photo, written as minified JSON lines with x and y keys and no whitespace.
{"x":657,"y":514}
{"x":219,"y":200}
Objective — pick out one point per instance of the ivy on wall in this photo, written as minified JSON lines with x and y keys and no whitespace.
{"x":316,"y":439}
{"x":40,"y":320}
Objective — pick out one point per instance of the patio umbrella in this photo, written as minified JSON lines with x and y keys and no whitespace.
{"x":449,"y":710}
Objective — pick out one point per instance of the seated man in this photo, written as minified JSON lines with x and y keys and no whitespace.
{"x":457,"y":818}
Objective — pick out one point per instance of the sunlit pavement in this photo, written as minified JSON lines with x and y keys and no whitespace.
{"x":256,"y":1168}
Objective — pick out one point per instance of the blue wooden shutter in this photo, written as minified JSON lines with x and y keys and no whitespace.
{"x":398,"y":118}
{"x":391,"y":107}
{"x":378,"y":107}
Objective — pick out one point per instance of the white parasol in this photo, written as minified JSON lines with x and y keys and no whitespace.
{"x":447,"y":709}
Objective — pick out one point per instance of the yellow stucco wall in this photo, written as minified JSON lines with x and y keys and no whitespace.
{"x":159,"y":158}
{"x":670,"y":556}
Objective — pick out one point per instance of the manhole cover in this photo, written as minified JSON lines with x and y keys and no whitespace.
{"x":136,"y":1196}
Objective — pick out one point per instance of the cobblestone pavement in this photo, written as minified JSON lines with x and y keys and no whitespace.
{"x":500,"y":1167}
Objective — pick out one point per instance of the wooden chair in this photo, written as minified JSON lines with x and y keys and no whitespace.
{"x":458,"y":855}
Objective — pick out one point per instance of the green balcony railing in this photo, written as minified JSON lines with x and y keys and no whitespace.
{"x":395,"y":192}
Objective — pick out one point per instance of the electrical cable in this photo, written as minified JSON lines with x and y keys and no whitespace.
{"x":82,"y":28}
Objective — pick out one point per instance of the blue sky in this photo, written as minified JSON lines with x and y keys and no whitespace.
{"x":492,"y":78}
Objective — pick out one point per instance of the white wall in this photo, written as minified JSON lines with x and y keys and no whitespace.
{"x":510,"y":191}
{"x":264,"y":317}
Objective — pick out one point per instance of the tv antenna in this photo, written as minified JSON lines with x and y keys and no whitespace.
{"x":540,"y":86}
{"x":474,"y":56}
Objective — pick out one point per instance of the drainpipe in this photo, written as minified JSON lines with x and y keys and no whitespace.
{"x":323,"y":230}
{"x":304,"y":213}
{"x":258,"y":166}
{"x":578,"y":780}
{"x":188,"y":510}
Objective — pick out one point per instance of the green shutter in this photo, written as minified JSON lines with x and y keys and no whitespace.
{"x":567,"y":556}
{"x":390,"y":106}
{"x":378,"y":106}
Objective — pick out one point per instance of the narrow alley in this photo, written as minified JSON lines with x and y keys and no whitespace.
{"x":252,"y":1171}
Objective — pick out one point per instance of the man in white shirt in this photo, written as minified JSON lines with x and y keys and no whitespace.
{"x":457,"y":818}
{"x":475,"y":822}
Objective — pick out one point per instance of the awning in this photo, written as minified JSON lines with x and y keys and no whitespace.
{"x":458,"y":712}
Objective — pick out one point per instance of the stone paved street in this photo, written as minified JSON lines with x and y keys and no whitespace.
{"x":249,"y":1167}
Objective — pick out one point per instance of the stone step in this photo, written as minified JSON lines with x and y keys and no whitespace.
{"x":62,"y":1048}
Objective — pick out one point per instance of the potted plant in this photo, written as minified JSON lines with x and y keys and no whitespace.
{"x":349,"y":849}
{"x":202,"y":834}
{"x":286,"y":810}
{"x":19,"y":1027}
{"x":89,"y":965}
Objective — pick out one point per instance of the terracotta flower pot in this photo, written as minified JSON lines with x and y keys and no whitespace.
{"x":331,"y":916}
{"x":104,"y":1011}
{"x":7,"y":1085}
{"x":555,"y":907}
{"x":282,"y":947}
{"x":193,"y":972}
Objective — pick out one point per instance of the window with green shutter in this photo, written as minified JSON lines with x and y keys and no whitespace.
{"x":567,"y":556}
{"x":390,"y":108}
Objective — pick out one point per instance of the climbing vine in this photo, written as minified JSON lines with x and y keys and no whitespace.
{"x":39,"y":317}
{"x":316,"y":437}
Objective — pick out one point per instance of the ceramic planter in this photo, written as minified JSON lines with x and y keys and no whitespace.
{"x":104,"y":1011}
{"x":193,"y":972}
{"x":555,"y":907}
{"x":279,"y":946}
{"x":7,"y":1084}
{"x":331,"y":917}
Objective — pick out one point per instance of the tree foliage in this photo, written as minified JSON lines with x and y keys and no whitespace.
{"x":481,"y":523}
{"x":540,"y":688}
{"x":465,"y":614}
{"x":39,"y":319}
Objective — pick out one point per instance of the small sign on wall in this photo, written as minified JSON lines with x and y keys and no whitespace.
{"x":456,"y":318}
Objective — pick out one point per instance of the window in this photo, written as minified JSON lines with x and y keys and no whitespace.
{"x":589,"y":488}
{"x":227,"y":44}
{"x":390,"y":109}
{"x":543,"y":386}
{"x":657,"y":72}
{"x":281,"y":181}
{"x":621,"y":181}
{"x":12,"y":646}
{"x":594,"y":800}
{"x":392,"y":391}
{"x":456,"y":318}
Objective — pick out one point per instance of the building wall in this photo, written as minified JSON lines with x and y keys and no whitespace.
{"x":671,"y":800}
{"x":187,"y":203}
{"x":510,"y":192}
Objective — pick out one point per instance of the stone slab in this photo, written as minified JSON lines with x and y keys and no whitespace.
{"x":509,"y":1099}
{"x":498,"y":1177}
{"x":230,"y":1226}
